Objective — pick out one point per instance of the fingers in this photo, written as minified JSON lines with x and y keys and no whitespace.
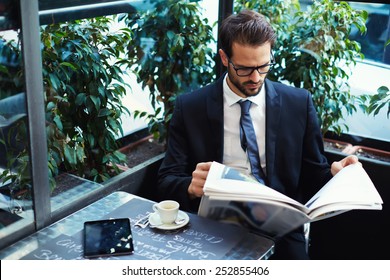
{"x":351,"y":159}
{"x":338,"y":165}
{"x":201,"y":170}
{"x":199,"y":176}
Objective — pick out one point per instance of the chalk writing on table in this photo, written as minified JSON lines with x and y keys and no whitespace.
{"x":158,"y":245}
{"x":201,"y":239}
{"x":62,"y":247}
{"x":205,"y":237}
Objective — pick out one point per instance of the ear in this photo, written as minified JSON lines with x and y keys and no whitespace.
{"x":224,"y":58}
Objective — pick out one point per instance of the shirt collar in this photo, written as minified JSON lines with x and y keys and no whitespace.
{"x":232,"y":98}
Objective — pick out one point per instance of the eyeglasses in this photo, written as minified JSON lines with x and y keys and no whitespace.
{"x":247,"y":71}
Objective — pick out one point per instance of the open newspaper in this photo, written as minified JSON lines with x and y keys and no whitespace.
{"x":233,"y":197}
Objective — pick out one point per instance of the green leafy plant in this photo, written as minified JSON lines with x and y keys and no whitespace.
{"x":83,"y":82}
{"x":279,"y":13}
{"x":373,"y":104}
{"x":83,"y":68}
{"x":172,"y":44}
{"x":11,"y":78}
{"x":315,"y":52}
{"x":14,"y":144}
{"x":13,"y":127}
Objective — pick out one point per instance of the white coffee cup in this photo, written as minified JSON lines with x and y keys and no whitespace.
{"x":168,"y":210}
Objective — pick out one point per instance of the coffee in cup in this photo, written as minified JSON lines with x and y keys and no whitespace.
{"x":167,"y":210}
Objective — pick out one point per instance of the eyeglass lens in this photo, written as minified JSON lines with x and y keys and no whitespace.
{"x":247,"y":71}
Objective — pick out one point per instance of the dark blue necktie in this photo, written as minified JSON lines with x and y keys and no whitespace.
{"x":248,"y":141}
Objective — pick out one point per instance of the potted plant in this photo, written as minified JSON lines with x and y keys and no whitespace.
{"x":11,"y":97}
{"x":84,"y":86}
{"x":313,"y":52}
{"x":372,"y":105}
{"x":13,"y":131}
{"x":82,"y":71}
{"x":172,"y":46}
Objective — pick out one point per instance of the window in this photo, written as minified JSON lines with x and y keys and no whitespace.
{"x":25,"y":163}
{"x":62,"y":107}
{"x":373,"y":71}
{"x":378,"y":29}
{"x":16,"y":208}
{"x":378,"y":32}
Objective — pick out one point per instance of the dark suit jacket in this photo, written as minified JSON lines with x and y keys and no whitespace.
{"x":296,"y":165}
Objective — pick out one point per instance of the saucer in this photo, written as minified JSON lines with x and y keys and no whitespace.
{"x":154,"y":220}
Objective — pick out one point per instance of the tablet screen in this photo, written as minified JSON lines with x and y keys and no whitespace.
{"x":107,"y":238}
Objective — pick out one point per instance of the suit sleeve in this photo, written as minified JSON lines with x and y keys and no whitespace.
{"x":315,"y":167}
{"x":175,"y":174}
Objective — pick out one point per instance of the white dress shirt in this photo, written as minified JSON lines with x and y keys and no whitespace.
{"x":233,"y":155}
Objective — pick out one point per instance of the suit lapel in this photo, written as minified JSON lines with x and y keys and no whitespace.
{"x":215,"y":115}
{"x":273,"y":105}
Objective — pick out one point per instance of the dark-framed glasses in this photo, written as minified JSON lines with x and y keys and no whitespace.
{"x":247,"y":71}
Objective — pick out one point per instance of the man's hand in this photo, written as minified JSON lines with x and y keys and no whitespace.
{"x":338,"y":165}
{"x":198,"y":179}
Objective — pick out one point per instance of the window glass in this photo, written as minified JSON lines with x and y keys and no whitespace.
{"x":82,"y":88}
{"x":16,"y":208}
{"x":90,"y":84}
{"x":90,"y":95}
{"x":378,"y":31}
{"x":373,"y":42}
{"x":83,"y":61}
{"x":373,"y":72}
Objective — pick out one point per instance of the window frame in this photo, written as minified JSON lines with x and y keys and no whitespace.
{"x":29,"y":16}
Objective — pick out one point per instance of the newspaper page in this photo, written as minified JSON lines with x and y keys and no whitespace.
{"x":236,"y":198}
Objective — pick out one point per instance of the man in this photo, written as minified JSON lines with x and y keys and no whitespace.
{"x":205,"y":127}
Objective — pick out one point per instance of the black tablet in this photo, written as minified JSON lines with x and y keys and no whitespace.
{"x":107,"y":238}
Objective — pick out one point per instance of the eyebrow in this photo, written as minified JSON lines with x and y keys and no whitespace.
{"x":263,"y":65}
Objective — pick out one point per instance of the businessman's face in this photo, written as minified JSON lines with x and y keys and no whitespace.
{"x":247,"y":68}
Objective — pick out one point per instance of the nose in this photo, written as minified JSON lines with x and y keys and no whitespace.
{"x":255,"y":75}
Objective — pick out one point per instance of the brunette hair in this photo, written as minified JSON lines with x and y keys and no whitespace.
{"x":246,"y":28}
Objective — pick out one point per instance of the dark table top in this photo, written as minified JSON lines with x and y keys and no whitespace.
{"x":200,"y":239}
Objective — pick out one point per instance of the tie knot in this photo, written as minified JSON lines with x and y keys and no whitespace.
{"x":245,"y":105}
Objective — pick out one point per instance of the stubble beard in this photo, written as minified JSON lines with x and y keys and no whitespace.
{"x":241,"y":86}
